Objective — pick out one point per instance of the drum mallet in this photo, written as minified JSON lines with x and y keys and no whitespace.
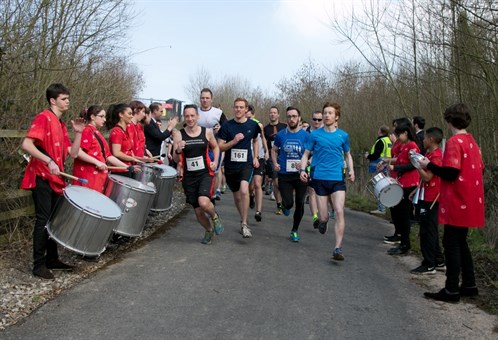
{"x":81,"y":180}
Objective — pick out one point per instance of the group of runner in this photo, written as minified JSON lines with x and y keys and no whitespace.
{"x":296,"y":160}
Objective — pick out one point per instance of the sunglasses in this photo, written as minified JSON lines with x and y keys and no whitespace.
{"x":317,"y":119}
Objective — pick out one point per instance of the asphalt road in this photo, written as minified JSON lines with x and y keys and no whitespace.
{"x":265,"y":287}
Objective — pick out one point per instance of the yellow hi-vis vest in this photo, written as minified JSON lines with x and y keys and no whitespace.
{"x":386,"y":152}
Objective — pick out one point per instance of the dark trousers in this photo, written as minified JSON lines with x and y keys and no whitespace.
{"x":288,"y":184}
{"x":429,"y":236}
{"x":458,"y":258}
{"x":400,"y":214}
{"x":45,"y":200}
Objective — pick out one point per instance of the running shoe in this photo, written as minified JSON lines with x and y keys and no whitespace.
{"x":258,"y":216}
{"x":332,"y":215}
{"x":337,"y":254}
{"x":294,"y":236}
{"x":252,"y":202}
{"x":322,"y":227}
{"x":223,"y":189}
{"x":423,"y":270}
{"x":218,"y":228}
{"x":218,"y":195}
{"x":272,"y":197}
{"x":441,"y":267}
{"x":285,"y":211}
{"x":279,"y":209}
{"x":245,"y":231}
{"x":208,"y":235}
{"x":315,"y":221}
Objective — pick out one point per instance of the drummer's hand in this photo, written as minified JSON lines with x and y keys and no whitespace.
{"x":101,"y":166}
{"x":53,"y":167}
{"x":423,"y":162}
{"x":138,"y":161}
{"x":136,"y":168}
{"x":381,"y":166}
{"x":412,"y":194}
{"x":78,"y":124}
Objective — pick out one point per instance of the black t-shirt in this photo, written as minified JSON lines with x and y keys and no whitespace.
{"x":270,"y":132}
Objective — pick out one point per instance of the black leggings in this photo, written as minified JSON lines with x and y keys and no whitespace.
{"x":400,"y":214}
{"x":287,"y":184}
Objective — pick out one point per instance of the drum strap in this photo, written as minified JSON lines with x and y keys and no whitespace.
{"x":101,"y":145}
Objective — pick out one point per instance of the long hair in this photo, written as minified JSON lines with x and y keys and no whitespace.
{"x":112,"y":117}
{"x":408,"y":128}
{"x":94,"y":110}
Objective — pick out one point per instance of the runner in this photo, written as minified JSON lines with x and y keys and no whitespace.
{"x":289,"y":148}
{"x":191,"y":147}
{"x":330,"y":146}
{"x":235,"y":137}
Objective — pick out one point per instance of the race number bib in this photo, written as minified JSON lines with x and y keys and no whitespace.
{"x":238,"y":155}
{"x":291,"y":165}
{"x":195,"y":163}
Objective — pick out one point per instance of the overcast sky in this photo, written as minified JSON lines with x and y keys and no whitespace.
{"x":259,"y":40}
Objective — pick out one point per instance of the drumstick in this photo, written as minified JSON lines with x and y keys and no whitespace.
{"x":435,"y":200}
{"x":81,"y":180}
{"x":117,"y":168}
{"x":159,"y":156}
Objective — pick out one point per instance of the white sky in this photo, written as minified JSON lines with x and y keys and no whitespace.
{"x":259,"y":40}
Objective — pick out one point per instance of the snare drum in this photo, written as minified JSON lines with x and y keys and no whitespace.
{"x":165,"y":186}
{"x":135,"y":199}
{"x":83,"y":220}
{"x":386,"y":190}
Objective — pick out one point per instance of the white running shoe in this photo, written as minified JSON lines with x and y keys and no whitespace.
{"x":245,"y":231}
{"x":272,"y":197}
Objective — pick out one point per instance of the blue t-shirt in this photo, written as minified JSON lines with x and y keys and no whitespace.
{"x":328,"y":154}
{"x":239,"y":155}
{"x":291,"y":149}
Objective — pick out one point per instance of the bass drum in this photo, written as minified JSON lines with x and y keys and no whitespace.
{"x":386,"y":190}
{"x":83,"y":220}
{"x":134,"y":199}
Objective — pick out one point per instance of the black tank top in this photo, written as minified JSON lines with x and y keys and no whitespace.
{"x":195,"y":155}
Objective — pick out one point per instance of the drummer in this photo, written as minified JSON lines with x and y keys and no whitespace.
{"x":191,"y":145}
{"x":91,"y":163}
{"x":136,"y":130}
{"x":122,"y":145}
{"x":48,"y":144}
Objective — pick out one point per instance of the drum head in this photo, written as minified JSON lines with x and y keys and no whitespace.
{"x":167,"y":171}
{"x":132,"y":183}
{"x":391,"y":195}
{"x":92,"y":201}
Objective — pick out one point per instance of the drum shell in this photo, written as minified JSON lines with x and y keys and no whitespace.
{"x":83,"y":229}
{"x":386,"y":190}
{"x":148,"y":175}
{"x":165,"y":187}
{"x":134,"y":199}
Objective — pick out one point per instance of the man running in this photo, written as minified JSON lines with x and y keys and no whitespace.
{"x":289,"y":148}
{"x":235,"y":138}
{"x":330,"y":146}
{"x":191,"y":146}
{"x":270,"y":131}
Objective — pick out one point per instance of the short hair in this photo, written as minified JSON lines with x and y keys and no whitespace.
{"x":207,"y":90}
{"x":293,"y":108}
{"x":384,"y":129}
{"x":274,"y":107}
{"x":251,"y":108}
{"x":190,"y":106}
{"x":336,"y":106}
{"x":435,"y":133}
{"x":240,"y":99}
{"x":55,"y":90}
{"x":154,"y":106}
{"x":419,"y":121}
{"x":458,"y":115}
